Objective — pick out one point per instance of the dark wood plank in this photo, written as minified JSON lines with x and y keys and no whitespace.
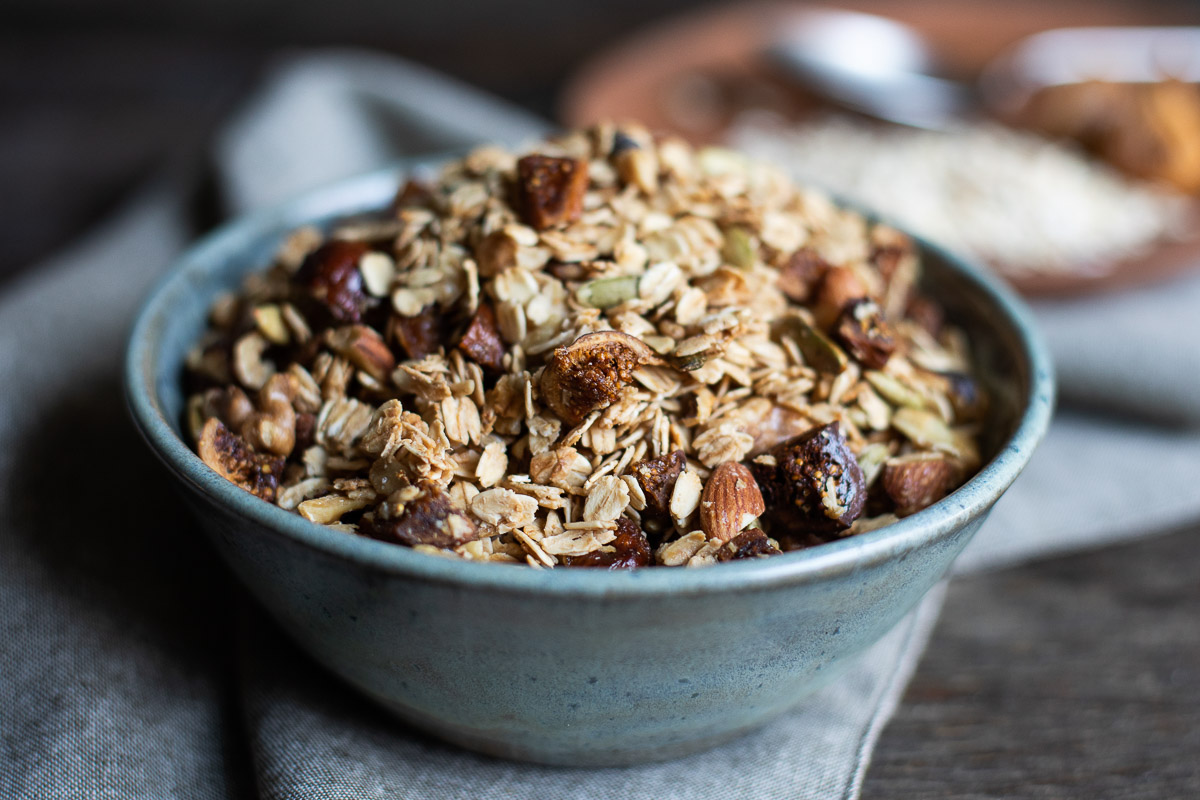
{"x":1077,"y":677}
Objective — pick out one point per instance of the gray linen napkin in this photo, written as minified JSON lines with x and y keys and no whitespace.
{"x":120,"y":675}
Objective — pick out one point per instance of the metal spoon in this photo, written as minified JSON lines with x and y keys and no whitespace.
{"x":885,"y":69}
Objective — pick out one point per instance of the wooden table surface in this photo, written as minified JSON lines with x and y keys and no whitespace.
{"x":1077,"y":677}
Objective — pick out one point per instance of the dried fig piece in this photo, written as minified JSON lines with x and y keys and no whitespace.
{"x":750,"y":543}
{"x":592,"y":372}
{"x":419,"y":335}
{"x":237,"y":462}
{"x":550,"y":190}
{"x":812,"y":483}
{"x":631,"y":549}
{"x":731,"y":501}
{"x":916,"y":481}
{"x":657,"y":478}
{"x":420,"y":514}
{"x":330,"y":276}
{"x":481,"y":340}
{"x":867,"y":338}
{"x":801,"y":274}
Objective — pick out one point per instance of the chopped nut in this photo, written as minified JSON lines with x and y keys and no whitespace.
{"x":237,"y":462}
{"x":230,"y":405}
{"x":273,"y":427}
{"x":592,"y":372}
{"x":378,"y":271}
{"x":814,"y":485}
{"x":297,"y":493}
{"x":639,"y":167}
{"x":801,"y":273}
{"x":680,"y":551}
{"x":550,"y":190}
{"x":686,"y":496}
{"x":839,"y":286}
{"x":364,"y":348}
{"x":731,"y":501}
{"x":268,"y":318}
{"x":916,"y":481}
{"x":328,"y":509}
{"x":778,"y":424}
{"x":249,"y":366}
{"x":496,"y":253}
{"x":298,"y":244}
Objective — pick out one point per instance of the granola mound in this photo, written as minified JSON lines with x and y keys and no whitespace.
{"x":614,"y":351}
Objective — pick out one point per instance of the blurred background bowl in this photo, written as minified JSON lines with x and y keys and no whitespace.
{"x":579,"y":667}
{"x":703,"y":74}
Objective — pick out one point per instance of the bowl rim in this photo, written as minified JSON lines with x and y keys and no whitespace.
{"x":844,"y":556}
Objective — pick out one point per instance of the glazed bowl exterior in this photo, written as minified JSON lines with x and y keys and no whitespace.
{"x":573,"y":666}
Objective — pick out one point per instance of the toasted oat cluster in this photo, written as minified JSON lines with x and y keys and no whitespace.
{"x":614,"y":351}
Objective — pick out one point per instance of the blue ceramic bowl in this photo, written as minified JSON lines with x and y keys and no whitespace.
{"x":578,"y":667}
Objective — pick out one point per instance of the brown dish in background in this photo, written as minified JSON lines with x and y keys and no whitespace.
{"x":693,"y":75}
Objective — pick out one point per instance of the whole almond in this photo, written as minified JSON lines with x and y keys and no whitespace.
{"x":730,"y":502}
{"x":917,"y":481}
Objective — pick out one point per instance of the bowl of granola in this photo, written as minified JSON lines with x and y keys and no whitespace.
{"x":597,"y":454}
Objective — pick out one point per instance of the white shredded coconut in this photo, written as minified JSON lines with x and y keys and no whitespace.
{"x":1016,"y":201}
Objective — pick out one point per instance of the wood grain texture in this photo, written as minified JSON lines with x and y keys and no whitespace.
{"x":1077,"y":677}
